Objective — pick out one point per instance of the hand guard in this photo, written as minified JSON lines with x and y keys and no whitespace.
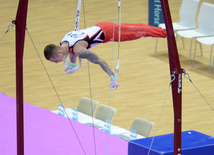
{"x":70,"y":68}
{"x":114,"y":83}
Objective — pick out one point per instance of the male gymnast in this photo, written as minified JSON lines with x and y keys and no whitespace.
{"x":78,"y":43}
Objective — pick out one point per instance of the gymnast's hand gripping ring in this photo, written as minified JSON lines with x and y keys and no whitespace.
{"x":70,"y":69}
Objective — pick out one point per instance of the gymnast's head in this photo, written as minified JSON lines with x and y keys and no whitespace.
{"x":53,"y":53}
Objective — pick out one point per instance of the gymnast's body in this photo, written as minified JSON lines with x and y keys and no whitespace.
{"x":78,"y":43}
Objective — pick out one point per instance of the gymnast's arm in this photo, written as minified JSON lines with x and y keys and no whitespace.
{"x":81,"y":51}
{"x":73,"y":58}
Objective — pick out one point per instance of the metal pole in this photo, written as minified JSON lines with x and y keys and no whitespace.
{"x":20,"y":23}
{"x":174,"y":63}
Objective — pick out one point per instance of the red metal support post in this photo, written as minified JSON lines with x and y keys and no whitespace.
{"x":175,"y":68}
{"x":20,"y":23}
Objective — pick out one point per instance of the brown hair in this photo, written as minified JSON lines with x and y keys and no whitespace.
{"x":50,"y":51}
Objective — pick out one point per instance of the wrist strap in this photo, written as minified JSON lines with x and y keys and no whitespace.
{"x":112,"y":77}
{"x":71,"y":64}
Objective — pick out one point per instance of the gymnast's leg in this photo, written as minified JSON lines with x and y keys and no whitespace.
{"x":130,"y":31}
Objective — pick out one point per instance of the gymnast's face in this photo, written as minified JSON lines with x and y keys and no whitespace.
{"x":57,"y":58}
